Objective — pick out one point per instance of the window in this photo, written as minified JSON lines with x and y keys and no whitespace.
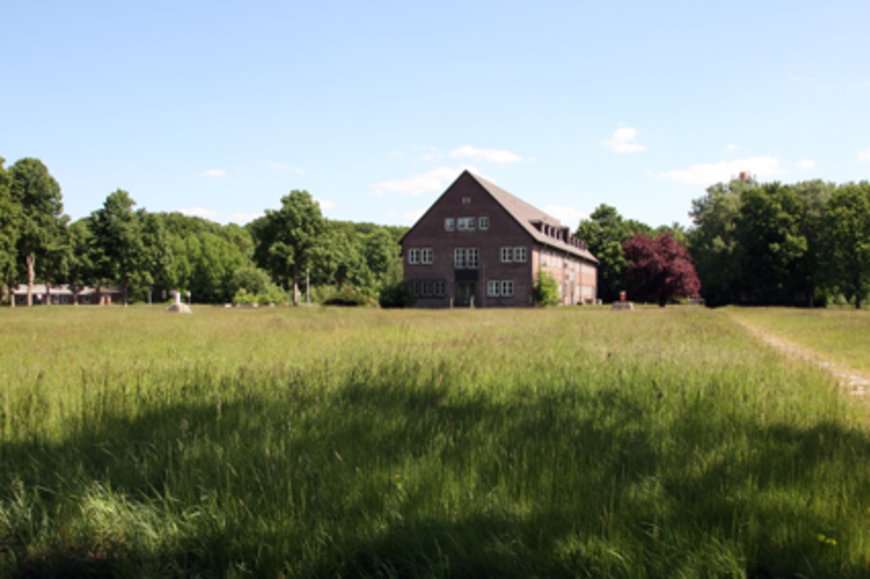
{"x":471,"y":258}
{"x":507,"y":288}
{"x":420,"y":255}
{"x":426,"y":255}
{"x":503,"y":288}
{"x":465,"y":258}
{"x":483,"y":223}
{"x":448,"y":224}
{"x":466,"y":200}
{"x":514,"y":254}
{"x":465,"y":223}
{"x":427,"y":288}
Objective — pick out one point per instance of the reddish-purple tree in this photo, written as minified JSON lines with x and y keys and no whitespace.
{"x":659,"y":269}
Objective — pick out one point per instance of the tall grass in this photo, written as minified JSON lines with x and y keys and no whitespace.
{"x":567,"y":442}
{"x":841,"y":334}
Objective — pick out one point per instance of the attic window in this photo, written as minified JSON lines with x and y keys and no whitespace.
{"x":466,"y":200}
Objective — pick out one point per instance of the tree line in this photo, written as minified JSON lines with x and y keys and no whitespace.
{"x":751,"y":243}
{"x":149,"y":254}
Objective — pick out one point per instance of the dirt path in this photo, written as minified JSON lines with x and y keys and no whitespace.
{"x":855,"y":383}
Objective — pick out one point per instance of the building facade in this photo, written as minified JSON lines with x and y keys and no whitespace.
{"x":478,"y":245}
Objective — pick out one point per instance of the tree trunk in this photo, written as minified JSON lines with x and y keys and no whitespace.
{"x":295,"y":285}
{"x":30,"y":259}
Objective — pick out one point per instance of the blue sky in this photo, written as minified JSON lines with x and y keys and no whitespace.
{"x":220,"y":108}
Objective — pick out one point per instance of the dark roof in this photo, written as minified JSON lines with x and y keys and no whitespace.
{"x":533,"y":219}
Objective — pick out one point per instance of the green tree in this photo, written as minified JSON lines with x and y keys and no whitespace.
{"x":605,"y":232}
{"x":81,"y":270}
{"x":813,"y":198}
{"x":155,"y":271}
{"x":55,"y":263}
{"x":286,"y":238}
{"x":847,"y":241}
{"x":713,"y":241}
{"x":39,"y":197}
{"x":772,"y":244}
{"x":118,"y":239}
{"x":10,"y":213}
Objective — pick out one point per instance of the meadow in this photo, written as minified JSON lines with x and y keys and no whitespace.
{"x":312,"y":442}
{"x":840,"y":334}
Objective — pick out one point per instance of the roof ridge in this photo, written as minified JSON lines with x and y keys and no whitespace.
{"x":499,"y":192}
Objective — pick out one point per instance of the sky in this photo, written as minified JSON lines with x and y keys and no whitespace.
{"x":219,"y":108}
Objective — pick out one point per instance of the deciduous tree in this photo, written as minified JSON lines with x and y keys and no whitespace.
{"x":39,"y":197}
{"x":118,"y":239}
{"x":659,"y":269}
{"x":10,"y":213}
{"x":847,"y":240}
{"x":604,"y":233}
{"x":285,"y":238}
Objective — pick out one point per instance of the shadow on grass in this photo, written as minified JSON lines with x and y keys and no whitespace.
{"x":376,"y":478}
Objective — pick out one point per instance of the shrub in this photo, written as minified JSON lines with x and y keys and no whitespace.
{"x":546,"y":292}
{"x":395,"y":295}
{"x":347,"y":296}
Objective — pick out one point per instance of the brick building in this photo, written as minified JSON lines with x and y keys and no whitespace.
{"x":479,"y":245}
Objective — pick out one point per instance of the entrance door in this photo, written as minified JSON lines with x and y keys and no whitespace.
{"x":466,"y":294}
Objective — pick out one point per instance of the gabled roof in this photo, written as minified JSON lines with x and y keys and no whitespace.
{"x":534,"y":221}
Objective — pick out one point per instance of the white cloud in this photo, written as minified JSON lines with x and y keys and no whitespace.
{"x":215,"y":173}
{"x":732,"y":148}
{"x":570,"y":216}
{"x":242,"y":218}
{"x":428,"y":182}
{"x":622,"y":141}
{"x":198,"y":212}
{"x":285,"y":167}
{"x":709,"y":173}
{"x":864,"y":155}
{"x":411,"y":217}
{"x":325,"y":203}
{"x":499,"y":156}
{"x":806,"y":164}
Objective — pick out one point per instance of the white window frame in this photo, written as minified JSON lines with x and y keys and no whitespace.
{"x":466,"y":224}
{"x":507,"y":288}
{"x":466,"y":200}
{"x":427,"y":255}
{"x":507,"y":254}
{"x":414,"y":256}
{"x":483,"y":223}
{"x":521,"y":255}
{"x":449,"y":224}
{"x":466,"y":258}
{"x":472,"y":257}
{"x":500,"y":288}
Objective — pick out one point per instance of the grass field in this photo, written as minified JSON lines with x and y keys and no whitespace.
{"x":314,"y":442}
{"x":841,"y":334}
